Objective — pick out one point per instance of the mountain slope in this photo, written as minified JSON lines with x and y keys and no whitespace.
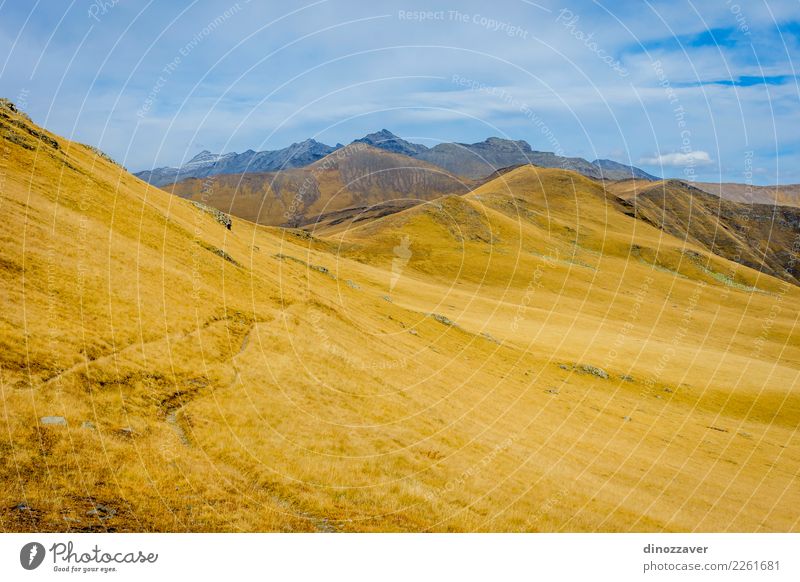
{"x":357,"y":176}
{"x":611,"y":170}
{"x":785,"y":195}
{"x":438,"y":369}
{"x":761,"y":236}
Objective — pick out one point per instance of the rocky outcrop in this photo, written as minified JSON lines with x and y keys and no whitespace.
{"x":219,"y":216}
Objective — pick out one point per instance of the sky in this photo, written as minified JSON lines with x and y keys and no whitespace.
{"x":704,"y":90}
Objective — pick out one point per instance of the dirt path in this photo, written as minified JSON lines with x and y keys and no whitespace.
{"x":172,"y":421}
{"x":172,"y":338}
{"x":172,"y":413}
{"x":242,"y":348}
{"x":321,"y":524}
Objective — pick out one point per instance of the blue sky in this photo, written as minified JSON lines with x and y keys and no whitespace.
{"x":705,"y":89}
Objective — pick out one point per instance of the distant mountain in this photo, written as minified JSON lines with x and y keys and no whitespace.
{"x":206,"y":164}
{"x":478,"y":160}
{"x":386,"y":140}
{"x":471,"y":161}
{"x":612,"y":170}
{"x":357,"y":176}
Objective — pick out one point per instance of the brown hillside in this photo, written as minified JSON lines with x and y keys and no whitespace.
{"x":761,"y":236}
{"x":357,"y":175}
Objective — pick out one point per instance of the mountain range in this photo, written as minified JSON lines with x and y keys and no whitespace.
{"x":471,"y":161}
{"x":207,"y":164}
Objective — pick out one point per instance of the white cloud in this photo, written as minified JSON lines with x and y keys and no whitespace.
{"x":696,"y":158}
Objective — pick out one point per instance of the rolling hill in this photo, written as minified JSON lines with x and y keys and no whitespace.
{"x":524,"y":357}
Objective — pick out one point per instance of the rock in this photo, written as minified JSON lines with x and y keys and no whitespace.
{"x":226,"y":256}
{"x":300,"y":233}
{"x":594,"y":371}
{"x":125,"y":432}
{"x":9,"y":105}
{"x":219,"y":216}
{"x":413,"y":332}
{"x":443,"y":320}
{"x":324,"y":526}
{"x":627,"y":418}
{"x":102,"y":512}
{"x":101,"y":154}
{"x":6,"y":104}
{"x":54,"y":420}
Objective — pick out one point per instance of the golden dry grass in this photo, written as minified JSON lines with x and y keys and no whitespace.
{"x":294,"y":388}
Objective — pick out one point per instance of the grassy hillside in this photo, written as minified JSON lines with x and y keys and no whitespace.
{"x":523,"y":358}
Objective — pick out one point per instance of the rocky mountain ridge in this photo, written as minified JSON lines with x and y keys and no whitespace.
{"x":472,"y":161}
